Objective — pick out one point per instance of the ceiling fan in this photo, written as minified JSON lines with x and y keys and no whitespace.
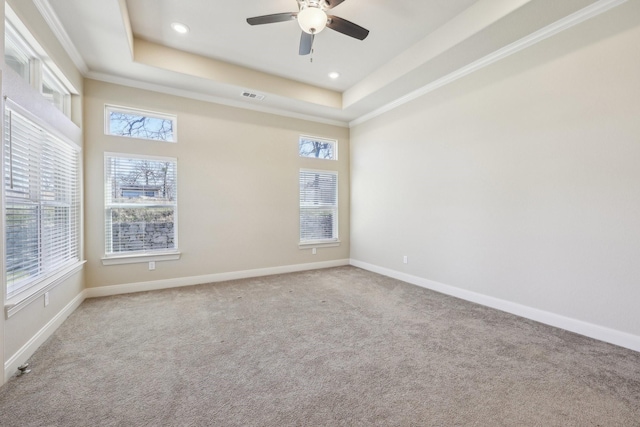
{"x":312,"y":17}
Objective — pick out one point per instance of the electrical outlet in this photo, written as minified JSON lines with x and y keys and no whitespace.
{"x":314,"y":251}
{"x":152,"y":265}
{"x":405,"y":259}
{"x":46,"y":299}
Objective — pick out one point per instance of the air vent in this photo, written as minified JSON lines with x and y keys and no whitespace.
{"x":252,"y":95}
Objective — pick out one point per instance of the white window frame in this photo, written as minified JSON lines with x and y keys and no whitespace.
{"x":45,"y":279}
{"x":41,"y":67}
{"x":108,"y":109}
{"x":13,"y":36}
{"x":49,"y":78}
{"x":335,"y":240}
{"x":333,"y":142}
{"x":131,"y":257}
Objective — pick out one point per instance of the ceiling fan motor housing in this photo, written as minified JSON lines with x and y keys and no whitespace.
{"x":322,"y":4}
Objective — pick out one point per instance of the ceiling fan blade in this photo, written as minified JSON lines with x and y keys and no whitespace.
{"x":306,"y":43}
{"x":347,"y":27}
{"x":270,"y":19}
{"x":333,"y":3}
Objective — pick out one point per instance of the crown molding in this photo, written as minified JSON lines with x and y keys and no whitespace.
{"x":56,"y":26}
{"x":125,"y":81}
{"x":559,"y":26}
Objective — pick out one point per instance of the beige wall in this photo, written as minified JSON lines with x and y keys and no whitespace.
{"x":520,"y":182}
{"x":237,"y":183}
{"x":24,"y":325}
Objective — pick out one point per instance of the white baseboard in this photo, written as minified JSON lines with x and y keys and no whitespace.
{"x":128,"y":288}
{"x":22,"y":355}
{"x":601,"y":333}
{"x":27,"y":350}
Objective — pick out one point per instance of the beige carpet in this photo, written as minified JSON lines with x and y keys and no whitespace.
{"x":336,"y":347}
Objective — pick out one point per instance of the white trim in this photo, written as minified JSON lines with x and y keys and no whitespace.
{"x":52,"y":81}
{"x":127,"y":288}
{"x":165,"y":254}
{"x":319,"y":244}
{"x":331,"y":141}
{"x":3,"y":291}
{"x":576,"y":18}
{"x":56,"y":26}
{"x":128,"y":82}
{"x":50,"y":277}
{"x":26,"y":297}
{"x":139,"y":156}
{"x":139,"y":258}
{"x":40,"y":54}
{"x":612,"y":336}
{"x":328,"y":171}
{"x":336,"y":207}
{"x":19,"y":109}
{"x":139,"y":112}
{"x":565,"y":23}
{"x":27,"y":350}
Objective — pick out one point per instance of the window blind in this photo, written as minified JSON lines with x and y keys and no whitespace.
{"x":42,"y":204}
{"x":141,"y":195}
{"x":318,"y":206}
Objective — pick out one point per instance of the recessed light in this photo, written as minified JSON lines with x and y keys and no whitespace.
{"x":334,"y":75}
{"x":180,"y":28}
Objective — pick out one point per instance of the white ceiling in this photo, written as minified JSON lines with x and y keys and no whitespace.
{"x":219,"y":30}
{"x":412,"y":46}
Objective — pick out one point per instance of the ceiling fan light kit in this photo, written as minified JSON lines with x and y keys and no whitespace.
{"x":312,"y":17}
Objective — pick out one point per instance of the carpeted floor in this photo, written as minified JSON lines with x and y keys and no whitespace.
{"x":335,"y":347}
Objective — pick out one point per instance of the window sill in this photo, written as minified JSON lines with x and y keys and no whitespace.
{"x":20,"y":301}
{"x":319,"y":244}
{"x":140,"y":258}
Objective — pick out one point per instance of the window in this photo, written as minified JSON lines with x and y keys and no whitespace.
{"x":141,"y":124}
{"x":141,"y":204}
{"x":42,"y":204}
{"x":318,"y":206}
{"x":23,"y":59}
{"x":318,"y":148}
{"x":16,"y":54}
{"x":54,"y":91}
